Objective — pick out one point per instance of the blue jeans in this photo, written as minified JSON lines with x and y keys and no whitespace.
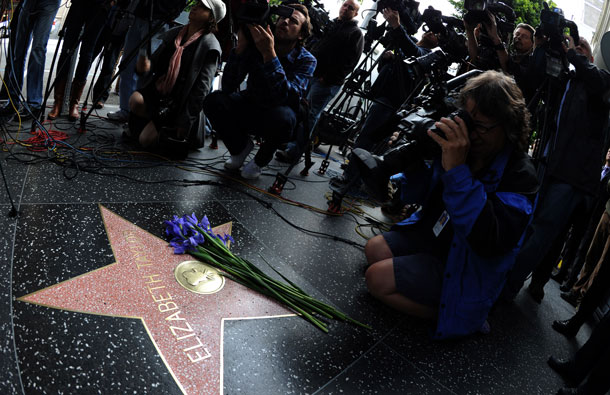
{"x":88,"y":19}
{"x":34,"y":25}
{"x":557,"y":203}
{"x":129,"y":80}
{"x":318,"y":96}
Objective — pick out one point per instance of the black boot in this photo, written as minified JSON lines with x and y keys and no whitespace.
{"x":568,"y":328}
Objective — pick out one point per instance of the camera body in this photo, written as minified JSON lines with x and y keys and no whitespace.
{"x":552,"y":25}
{"x":408,"y":11}
{"x":413,"y":146}
{"x":477,"y":13}
{"x":450,"y":30}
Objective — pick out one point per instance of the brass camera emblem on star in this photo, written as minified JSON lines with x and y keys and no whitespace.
{"x":198,"y":277}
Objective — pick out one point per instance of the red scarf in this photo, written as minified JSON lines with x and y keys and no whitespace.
{"x":166,"y":83}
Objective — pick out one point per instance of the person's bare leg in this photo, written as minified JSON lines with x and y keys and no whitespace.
{"x":376,"y":249}
{"x":149,"y":135}
{"x":382,"y":285}
{"x":137,"y":104}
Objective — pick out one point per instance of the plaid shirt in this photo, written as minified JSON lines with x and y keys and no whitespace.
{"x":281,"y":81}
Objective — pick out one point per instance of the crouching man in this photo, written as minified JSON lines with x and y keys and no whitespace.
{"x":449,"y":261}
{"x":279,"y":70}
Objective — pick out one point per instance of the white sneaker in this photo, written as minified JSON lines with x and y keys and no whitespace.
{"x":118,"y":116}
{"x":251,"y":171}
{"x":235,"y":161}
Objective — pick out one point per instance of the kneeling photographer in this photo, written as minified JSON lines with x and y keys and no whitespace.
{"x":279,"y":70}
{"x":449,"y":260}
{"x":179,"y":76}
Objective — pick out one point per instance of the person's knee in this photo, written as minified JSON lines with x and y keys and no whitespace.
{"x":136,"y":104}
{"x":376,"y":280}
{"x":149,"y":136}
{"x":375,"y":248}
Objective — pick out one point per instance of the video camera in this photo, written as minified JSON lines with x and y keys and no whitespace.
{"x":552,"y":25}
{"x":408,"y":10}
{"x":477,"y":13}
{"x":317,"y":15}
{"x":450,"y":31}
{"x":413,"y":145}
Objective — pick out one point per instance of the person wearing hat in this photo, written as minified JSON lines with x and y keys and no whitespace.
{"x":177,"y":78}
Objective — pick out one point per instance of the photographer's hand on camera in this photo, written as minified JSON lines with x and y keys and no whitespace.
{"x":392,"y":17}
{"x":568,"y":43}
{"x":492,"y":32}
{"x":263,"y":40}
{"x":455,"y":145}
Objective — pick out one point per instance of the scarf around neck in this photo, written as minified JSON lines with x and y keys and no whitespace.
{"x":166,"y":83}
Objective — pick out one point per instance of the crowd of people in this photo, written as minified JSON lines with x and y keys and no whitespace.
{"x":487,"y":216}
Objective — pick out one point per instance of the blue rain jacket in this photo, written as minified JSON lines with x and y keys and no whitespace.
{"x":489,"y":216}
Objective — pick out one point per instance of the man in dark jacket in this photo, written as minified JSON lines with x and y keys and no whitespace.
{"x":337,"y":54}
{"x":573,"y":156}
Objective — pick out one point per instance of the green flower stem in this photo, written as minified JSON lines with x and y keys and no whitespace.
{"x":242,"y":271}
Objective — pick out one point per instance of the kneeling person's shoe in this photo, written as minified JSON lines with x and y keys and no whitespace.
{"x":235,"y":161}
{"x":251,"y":171}
{"x":568,"y":328}
{"x":118,"y":116}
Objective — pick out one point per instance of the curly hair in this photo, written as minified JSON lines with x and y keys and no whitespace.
{"x":497,"y":96}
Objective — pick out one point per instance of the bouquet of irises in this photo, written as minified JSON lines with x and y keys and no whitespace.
{"x":189,"y":235}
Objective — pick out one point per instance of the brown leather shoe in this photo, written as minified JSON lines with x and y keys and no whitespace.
{"x":58,"y":96}
{"x":75,"y":94}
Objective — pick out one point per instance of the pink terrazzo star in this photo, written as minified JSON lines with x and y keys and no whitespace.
{"x":185,"y":327}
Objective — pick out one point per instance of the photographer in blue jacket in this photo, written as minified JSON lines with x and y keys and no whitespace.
{"x":449,"y":260}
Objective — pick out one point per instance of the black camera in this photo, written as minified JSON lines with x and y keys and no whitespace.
{"x":553,"y":23}
{"x":412,"y":148}
{"x":450,"y":31}
{"x":320,"y":21}
{"x":477,"y":12}
{"x":408,"y":10}
{"x":434,"y":63}
{"x":413,"y":145}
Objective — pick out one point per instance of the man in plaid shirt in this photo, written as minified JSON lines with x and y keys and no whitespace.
{"x":279,"y":70}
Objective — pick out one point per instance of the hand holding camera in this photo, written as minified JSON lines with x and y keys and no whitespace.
{"x":392,"y":17}
{"x":568,"y":43}
{"x":263,"y":40}
{"x":456,"y":143}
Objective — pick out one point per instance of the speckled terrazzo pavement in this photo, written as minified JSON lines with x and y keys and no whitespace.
{"x":62,"y":233}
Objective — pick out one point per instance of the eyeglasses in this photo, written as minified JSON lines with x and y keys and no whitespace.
{"x":482,"y":129}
